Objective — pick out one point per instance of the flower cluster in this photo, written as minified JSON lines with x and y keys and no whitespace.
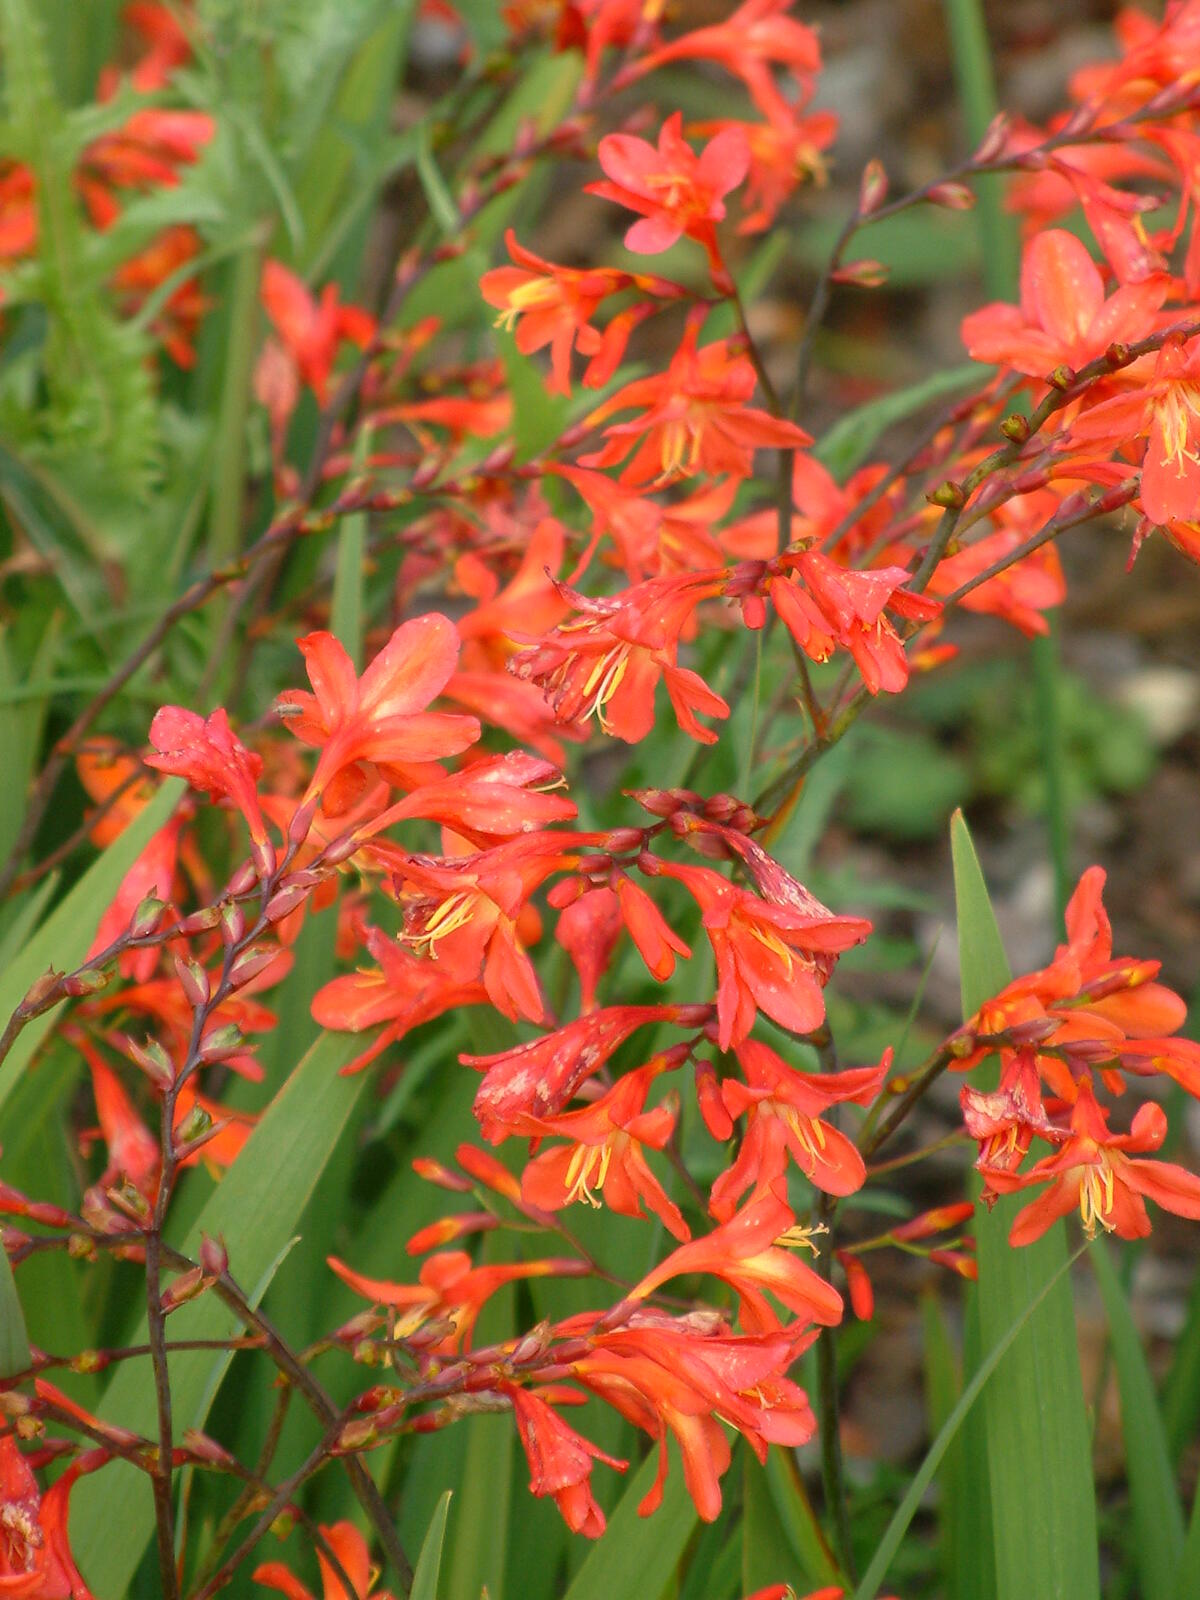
{"x":639,"y":991}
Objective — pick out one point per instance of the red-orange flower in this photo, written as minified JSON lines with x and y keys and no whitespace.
{"x":1094,"y":1172}
{"x":782,"y":1108}
{"x":379,"y":718}
{"x":770,"y":957}
{"x":560,"y":1460}
{"x":604,"y":1154}
{"x":450,"y":1288}
{"x":545,"y":304}
{"x":207,"y":752}
{"x":694,"y":418}
{"x":312,"y":331}
{"x":35,"y":1557}
{"x":350,"y":1548}
{"x":743,"y":1253}
{"x":676,"y":191}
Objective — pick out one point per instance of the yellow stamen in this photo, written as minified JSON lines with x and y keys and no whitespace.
{"x":451,"y":915}
{"x":799,"y":1238}
{"x":1096,"y":1200}
{"x":580,"y":1169}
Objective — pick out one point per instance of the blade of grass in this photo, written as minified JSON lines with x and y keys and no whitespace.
{"x":1037,"y":1440}
{"x":637,"y":1555}
{"x":1187,"y":1578}
{"x":1181,"y":1392}
{"x":14,"y":1343}
{"x":62,"y":940}
{"x":1157,"y":1514}
{"x":906,"y":1510}
{"x":429,"y":1562}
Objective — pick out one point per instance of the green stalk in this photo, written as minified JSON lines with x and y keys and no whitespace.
{"x":229,"y":465}
{"x":977,"y":98}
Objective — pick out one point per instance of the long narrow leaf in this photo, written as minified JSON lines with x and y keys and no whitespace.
{"x":1037,"y":1439}
{"x":62,"y":940}
{"x":1157,"y":1514}
{"x":637,"y":1555}
{"x":906,"y":1510}
{"x":429,"y":1562}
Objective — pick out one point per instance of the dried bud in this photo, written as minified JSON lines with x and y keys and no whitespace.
{"x":81,"y":1248}
{"x":872,"y":188}
{"x":194,"y":1126}
{"x":249,"y":964}
{"x":356,"y":1435}
{"x":88,"y":1361}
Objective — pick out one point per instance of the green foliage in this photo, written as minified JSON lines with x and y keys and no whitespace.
{"x":1040,"y":1476}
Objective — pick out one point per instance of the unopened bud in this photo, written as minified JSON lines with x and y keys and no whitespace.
{"x":243,"y":879}
{"x":146,"y":917}
{"x":233,"y":922}
{"x":221,"y":1043}
{"x":285,"y":901}
{"x":939,"y":1220}
{"x":87,"y":981}
{"x":202,"y":921}
{"x":434,"y":1172}
{"x":949,"y":495}
{"x":356,"y":1435}
{"x":872,"y":188}
{"x":865,"y":273}
{"x":193,"y":980}
{"x":153,"y":1060}
{"x":1062,"y":378}
{"x":187,"y":1286}
{"x":995,"y":139}
{"x":952,"y":196}
{"x":81,"y":1248}
{"x":1118,"y":355}
{"x":213,"y":1256}
{"x":1015,"y":427}
{"x":203,"y":1448}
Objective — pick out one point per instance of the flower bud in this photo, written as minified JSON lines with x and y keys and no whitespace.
{"x":193,"y":980}
{"x":146,"y":917}
{"x":87,"y":981}
{"x":872,"y":188}
{"x":213,"y":1256}
{"x":951,"y":196}
{"x":865,"y":273}
{"x":153,"y":1060}
{"x":187,"y":1286}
